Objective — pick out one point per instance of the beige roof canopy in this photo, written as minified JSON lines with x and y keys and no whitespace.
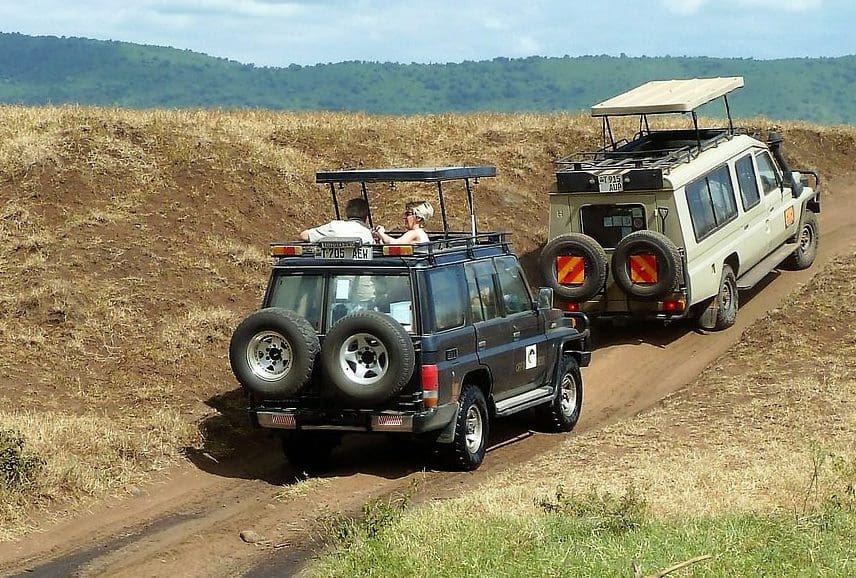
{"x":666,"y":96}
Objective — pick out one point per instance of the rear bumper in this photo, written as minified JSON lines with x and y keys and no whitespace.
{"x":354,"y":420}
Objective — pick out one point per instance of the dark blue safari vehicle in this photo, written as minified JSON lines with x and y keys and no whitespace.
{"x":432,"y":340}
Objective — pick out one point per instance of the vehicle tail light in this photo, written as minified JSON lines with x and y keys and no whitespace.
{"x":572,"y":307}
{"x":397,"y":250}
{"x":674,"y":306}
{"x":285,"y":250}
{"x":430,"y":384}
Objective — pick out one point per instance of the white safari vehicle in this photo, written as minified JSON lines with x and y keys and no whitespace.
{"x":672,"y":223}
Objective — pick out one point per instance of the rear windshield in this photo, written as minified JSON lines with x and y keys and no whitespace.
{"x":608,"y":224}
{"x":324,"y":299}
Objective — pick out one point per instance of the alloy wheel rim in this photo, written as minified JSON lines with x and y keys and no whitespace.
{"x":270,"y":356}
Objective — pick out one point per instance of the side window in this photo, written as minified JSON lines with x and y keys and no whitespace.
{"x":722,"y":195}
{"x":711,"y":202}
{"x":701,"y":209}
{"x":748,"y":183}
{"x":515,"y":294}
{"x":446,"y":288}
{"x":480,"y":279}
{"x":767,"y":171}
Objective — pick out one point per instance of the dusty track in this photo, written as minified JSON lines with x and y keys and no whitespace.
{"x":188,"y":522}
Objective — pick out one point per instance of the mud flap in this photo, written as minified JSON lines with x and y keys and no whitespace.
{"x":707,"y":319}
{"x":447,"y":435}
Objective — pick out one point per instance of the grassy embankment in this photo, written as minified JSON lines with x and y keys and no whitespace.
{"x":753,"y":465}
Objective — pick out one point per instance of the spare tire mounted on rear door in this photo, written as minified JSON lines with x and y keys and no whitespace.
{"x":647,"y":265}
{"x":368,"y":356}
{"x":272,"y":352}
{"x":575,"y":266}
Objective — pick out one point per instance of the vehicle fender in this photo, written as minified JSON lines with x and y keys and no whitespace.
{"x":810,"y":203}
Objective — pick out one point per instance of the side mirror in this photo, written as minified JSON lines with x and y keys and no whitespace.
{"x":545,"y":298}
{"x":796,"y":184}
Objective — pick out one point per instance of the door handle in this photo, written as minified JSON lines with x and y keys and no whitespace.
{"x":482,"y":344}
{"x":516,"y":335}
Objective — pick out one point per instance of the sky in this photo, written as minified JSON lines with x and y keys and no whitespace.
{"x":306,"y":32}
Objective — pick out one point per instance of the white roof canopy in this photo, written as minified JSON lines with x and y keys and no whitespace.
{"x":667,"y":96}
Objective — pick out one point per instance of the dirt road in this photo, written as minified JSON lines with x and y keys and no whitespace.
{"x":187,"y":523}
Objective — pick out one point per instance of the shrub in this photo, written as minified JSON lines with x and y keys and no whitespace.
{"x":18,"y":466}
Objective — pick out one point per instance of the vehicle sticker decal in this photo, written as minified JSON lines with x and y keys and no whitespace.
{"x":531,"y":356}
{"x":789,"y":217}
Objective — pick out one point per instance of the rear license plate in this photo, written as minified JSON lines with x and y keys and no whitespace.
{"x":345,"y":251}
{"x":610,"y":183}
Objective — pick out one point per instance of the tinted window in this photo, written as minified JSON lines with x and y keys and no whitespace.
{"x":711,"y":202}
{"x":388,"y":294}
{"x":767,"y":172}
{"x":480,"y":280}
{"x":514,"y":292}
{"x":748,"y":183}
{"x":608,"y":224}
{"x":446,"y":290}
{"x":299,"y":293}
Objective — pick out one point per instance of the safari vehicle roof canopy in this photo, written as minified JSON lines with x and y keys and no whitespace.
{"x":437,"y":175}
{"x":667,"y":96}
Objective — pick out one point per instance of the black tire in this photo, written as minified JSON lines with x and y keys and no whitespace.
{"x":727,"y":300}
{"x":575,"y":245}
{"x":368,"y":356}
{"x":471,"y":430}
{"x":669,"y":267}
{"x":310,"y":452}
{"x":563,"y":413}
{"x":272,"y":352}
{"x":808,"y":240}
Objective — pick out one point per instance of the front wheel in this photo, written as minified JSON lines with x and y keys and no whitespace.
{"x":563,"y":413}
{"x":806,"y":251}
{"x":471,"y":430}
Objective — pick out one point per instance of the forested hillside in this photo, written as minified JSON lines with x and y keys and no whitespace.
{"x":50,"y":70}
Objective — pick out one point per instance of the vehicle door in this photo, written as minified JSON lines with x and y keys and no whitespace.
{"x":492,"y":337}
{"x":525,"y":327}
{"x":778,"y":203}
{"x":455,"y":339}
{"x":755,"y":237}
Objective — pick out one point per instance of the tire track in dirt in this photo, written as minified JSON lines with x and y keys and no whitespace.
{"x":188,"y":522}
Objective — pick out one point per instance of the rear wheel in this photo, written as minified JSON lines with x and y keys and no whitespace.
{"x":563,"y":413}
{"x":727,"y":300}
{"x":471,"y":430}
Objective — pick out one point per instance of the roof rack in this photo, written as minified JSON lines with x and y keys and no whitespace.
{"x":437,"y":175}
{"x":439,"y":245}
{"x":639,"y":164}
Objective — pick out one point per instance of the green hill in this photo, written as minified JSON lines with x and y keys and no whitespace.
{"x":50,"y":70}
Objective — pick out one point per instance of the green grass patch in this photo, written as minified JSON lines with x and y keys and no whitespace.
{"x":593,"y":535}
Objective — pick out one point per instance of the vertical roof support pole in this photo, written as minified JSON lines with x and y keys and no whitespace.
{"x":608,"y":128}
{"x":728,"y":112}
{"x":697,"y":133}
{"x":472,"y":209}
{"x":335,"y":200}
{"x":443,"y":208}
{"x":366,"y":199}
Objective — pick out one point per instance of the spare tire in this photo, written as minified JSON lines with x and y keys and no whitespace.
{"x":594,"y":263}
{"x":668,"y":264}
{"x":368,"y":356}
{"x":272,"y":352}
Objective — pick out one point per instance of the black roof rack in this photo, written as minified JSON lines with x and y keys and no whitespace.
{"x":417,"y":174}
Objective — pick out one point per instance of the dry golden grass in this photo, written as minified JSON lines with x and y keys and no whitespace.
{"x":770,"y":426}
{"x":129,"y":237}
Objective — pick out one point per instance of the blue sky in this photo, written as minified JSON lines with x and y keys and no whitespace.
{"x":279,"y":33}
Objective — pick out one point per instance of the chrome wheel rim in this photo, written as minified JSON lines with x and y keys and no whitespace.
{"x":475,"y":429}
{"x":364,"y":359}
{"x":726,"y":297}
{"x":568,"y":393}
{"x":269,"y":356}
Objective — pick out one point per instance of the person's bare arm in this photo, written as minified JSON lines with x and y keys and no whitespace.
{"x":304,"y":235}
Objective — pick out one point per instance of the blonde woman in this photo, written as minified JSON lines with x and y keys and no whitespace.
{"x":415,"y":216}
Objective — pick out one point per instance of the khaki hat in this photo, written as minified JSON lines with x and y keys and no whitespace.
{"x":423,"y":210}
